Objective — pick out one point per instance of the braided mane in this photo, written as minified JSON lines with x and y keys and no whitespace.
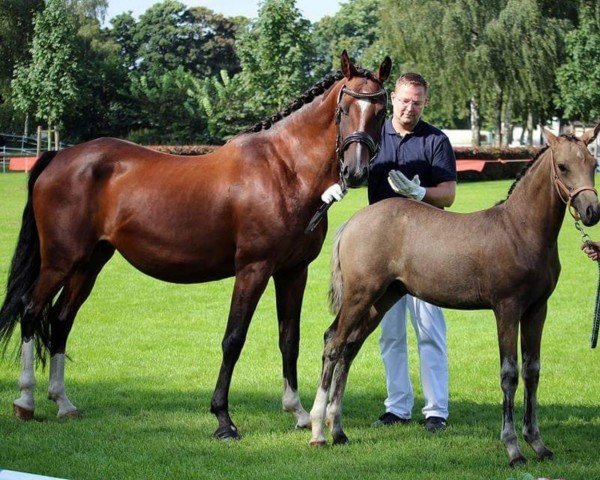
{"x":307,"y":97}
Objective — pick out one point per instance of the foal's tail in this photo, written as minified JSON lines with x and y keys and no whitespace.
{"x":336,"y":285}
{"x":25,"y":269}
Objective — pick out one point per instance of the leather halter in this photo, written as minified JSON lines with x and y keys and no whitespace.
{"x":358,"y":136}
{"x":567,"y":192}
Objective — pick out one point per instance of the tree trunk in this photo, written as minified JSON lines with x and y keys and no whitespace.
{"x":507,"y":123}
{"x":475,"y":123}
{"x":529,"y":128}
{"x":498,"y":120}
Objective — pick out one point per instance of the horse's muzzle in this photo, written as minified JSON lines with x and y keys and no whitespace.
{"x":588,"y":208}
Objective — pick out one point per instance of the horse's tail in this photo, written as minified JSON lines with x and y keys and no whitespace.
{"x":336,"y":285}
{"x":25,"y":269}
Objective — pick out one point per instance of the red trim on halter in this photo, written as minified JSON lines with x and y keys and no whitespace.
{"x":561,"y":189}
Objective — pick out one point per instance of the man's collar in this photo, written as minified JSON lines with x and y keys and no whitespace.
{"x":390,"y":130}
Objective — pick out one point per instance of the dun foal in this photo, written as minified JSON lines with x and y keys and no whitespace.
{"x":504,"y":258}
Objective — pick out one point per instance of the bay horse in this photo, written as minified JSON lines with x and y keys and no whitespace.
{"x":504,"y":258}
{"x":239,"y":211}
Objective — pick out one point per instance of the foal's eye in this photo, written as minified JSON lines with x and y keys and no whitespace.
{"x":562,"y":168}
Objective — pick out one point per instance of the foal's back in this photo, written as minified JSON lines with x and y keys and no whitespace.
{"x":463,"y":255}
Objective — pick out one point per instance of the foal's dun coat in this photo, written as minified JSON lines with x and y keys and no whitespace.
{"x":504,"y":258}
{"x":240,"y":211}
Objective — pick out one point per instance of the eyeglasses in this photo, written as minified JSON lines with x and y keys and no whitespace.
{"x":407,"y":103}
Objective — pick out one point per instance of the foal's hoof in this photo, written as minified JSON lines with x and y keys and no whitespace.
{"x":70,"y":415}
{"x":518,"y":461}
{"x":22,"y":413}
{"x":545,"y":455}
{"x":340,"y":439}
{"x":226,"y":433}
{"x":318,"y":443}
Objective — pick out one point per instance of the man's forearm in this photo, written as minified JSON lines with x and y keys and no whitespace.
{"x":441,"y":195}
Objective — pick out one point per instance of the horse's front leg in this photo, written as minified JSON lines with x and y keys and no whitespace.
{"x":250,"y":283}
{"x":289,"y":291}
{"x":532,"y":325}
{"x":507,"y":324}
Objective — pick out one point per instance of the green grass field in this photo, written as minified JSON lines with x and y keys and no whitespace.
{"x":146,"y":356}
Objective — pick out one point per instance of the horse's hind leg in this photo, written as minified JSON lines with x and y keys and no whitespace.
{"x":250,"y":283}
{"x":47,"y":285}
{"x":507,"y":320}
{"x":289,"y":289}
{"x":74,"y":294}
{"x":532,"y":325}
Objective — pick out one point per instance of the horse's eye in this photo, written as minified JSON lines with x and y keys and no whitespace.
{"x":562,"y":167}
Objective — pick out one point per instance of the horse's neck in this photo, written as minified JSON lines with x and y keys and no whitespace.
{"x":534,"y":205}
{"x":309,"y":138}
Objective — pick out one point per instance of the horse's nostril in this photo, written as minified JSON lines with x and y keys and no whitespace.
{"x":345,"y":170}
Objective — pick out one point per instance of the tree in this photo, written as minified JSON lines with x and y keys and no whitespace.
{"x":47,"y":86}
{"x":578,"y":79}
{"x":276,"y":55}
{"x":169,"y":35}
{"x":16,"y":32}
{"x":354,"y":28}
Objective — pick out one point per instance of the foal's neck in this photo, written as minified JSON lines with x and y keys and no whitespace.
{"x":534,"y":205}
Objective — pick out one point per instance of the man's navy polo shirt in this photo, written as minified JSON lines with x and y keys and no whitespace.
{"x":425,"y":152}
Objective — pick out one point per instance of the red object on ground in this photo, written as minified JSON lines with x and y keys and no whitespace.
{"x":21,"y":164}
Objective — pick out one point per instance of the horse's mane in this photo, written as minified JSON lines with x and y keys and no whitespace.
{"x":307,"y":97}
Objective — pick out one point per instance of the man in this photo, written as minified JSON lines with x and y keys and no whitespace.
{"x":412,"y":149}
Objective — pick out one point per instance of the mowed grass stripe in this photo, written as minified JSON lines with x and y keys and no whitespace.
{"x":147,"y":354}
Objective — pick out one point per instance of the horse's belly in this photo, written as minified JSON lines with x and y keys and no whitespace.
{"x":179,"y":261}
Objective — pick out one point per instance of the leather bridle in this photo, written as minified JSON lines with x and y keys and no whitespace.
{"x":359,"y":136}
{"x":567,"y":194}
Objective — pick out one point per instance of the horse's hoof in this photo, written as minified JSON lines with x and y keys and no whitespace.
{"x":518,"y":461}
{"x":303,"y":426}
{"x":318,"y":443}
{"x":226,"y":433}
{"x":340,"y":439}
{"x":73,"y":414}
{"x":22,"y":413}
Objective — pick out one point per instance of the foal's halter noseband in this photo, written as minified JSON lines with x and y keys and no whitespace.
{"x":359,"y":136}
{"x":567,"y":194}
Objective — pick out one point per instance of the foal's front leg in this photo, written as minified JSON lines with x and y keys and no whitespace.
{"x":289,"y":291}
{"x":531,"y":337}
{"x":507,"y":323}
{"x":250,"y":283}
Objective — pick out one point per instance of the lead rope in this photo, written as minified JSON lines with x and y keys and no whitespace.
{"x":585,"y":238}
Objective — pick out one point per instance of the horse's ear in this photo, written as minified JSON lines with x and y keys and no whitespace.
{"x":552,"y":139}
{"x":384,"y":69}
{"x":590,"y":135}
{"x":348,"y":68}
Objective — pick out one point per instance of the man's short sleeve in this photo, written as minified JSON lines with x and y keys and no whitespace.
{"x":444,"y":162}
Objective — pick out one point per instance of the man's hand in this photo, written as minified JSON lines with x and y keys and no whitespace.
{"x":405,"y":187}
{"x":592,"y":250}
{"x":333,"y":194}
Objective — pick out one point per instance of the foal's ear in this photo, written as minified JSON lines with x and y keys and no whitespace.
{"x":552,"y":139}
{"x":348,"y":68}
{"x":384,"y":69}
{"x":590,"y":135}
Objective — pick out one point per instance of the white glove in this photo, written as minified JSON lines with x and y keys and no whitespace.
{"x":405,"y":187}
{"x":333,"y":194}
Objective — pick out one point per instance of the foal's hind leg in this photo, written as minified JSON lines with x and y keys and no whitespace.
{"x":532,"y":325}
{"x":289,"y":289}
{"x":250,"y":283}
{"x":74,"y":294}
{"x":46,"y":286}
{"x":355,"y":339}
